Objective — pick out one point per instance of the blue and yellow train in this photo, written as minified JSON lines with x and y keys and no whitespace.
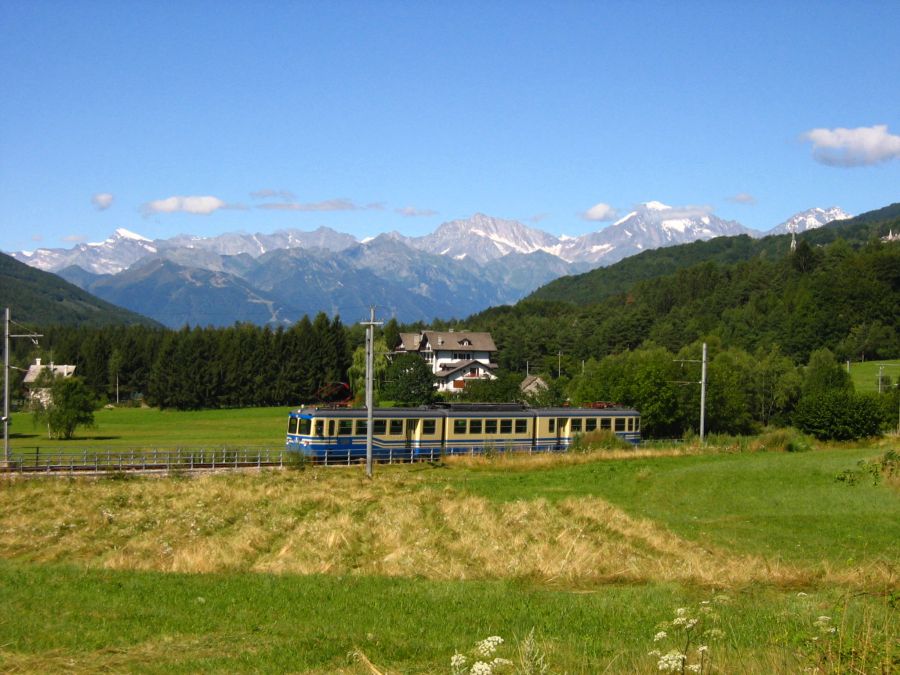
{"x":338,"y":435}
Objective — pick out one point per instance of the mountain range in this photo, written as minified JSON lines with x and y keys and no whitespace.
{"x":461,"y":268}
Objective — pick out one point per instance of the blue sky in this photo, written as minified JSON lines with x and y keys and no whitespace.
{"x":207,"y":117}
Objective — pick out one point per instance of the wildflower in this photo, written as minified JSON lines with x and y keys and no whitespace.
{"x":481,"y":668}
{"x":489,"y":645}
{"x":671,"y":662}
{"x":693,"y":668}
{"x":714,"y":633}
{"x":498,"y":662}
{"x":679,"y":621}
{"x":661,"y":635}
{"x":691,"y":623}
{"x":702,"y":649}
{"x":654,"y":652}
{"x":681,"y":611}
{"x":457,"y":661}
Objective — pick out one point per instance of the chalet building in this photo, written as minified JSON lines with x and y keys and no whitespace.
{"x":455,"y":357}
{"x":42,"y":394}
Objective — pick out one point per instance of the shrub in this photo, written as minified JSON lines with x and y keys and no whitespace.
{"x":838,"y":415}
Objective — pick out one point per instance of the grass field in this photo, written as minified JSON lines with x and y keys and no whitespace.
{"x":323,"y":571}
{"x":151,"y":427}
{"x":865,"y":373}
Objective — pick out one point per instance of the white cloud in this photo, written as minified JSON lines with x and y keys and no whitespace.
{"x":74,"y":238}
{"x":102,"y":201}
{"x":196,"y":205}
{"x":743,"y":198}
{"x":862,"y":146}
{"x":600,"y":211}
{"x":412,"y":212}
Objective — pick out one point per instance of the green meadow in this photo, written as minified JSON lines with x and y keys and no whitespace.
{"x":321,"y":570}
{"x":865,"y":373}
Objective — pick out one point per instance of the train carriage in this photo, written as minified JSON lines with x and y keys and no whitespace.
{"x":338,"y":435}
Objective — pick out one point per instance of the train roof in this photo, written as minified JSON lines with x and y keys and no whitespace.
{"x":466,"y":410}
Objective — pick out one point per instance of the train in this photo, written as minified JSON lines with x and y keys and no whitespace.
{"x":334,"y":435}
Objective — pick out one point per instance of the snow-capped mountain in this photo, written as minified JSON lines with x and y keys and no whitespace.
{"x":124,"y":248}
{"x":463,"y":267}
{"x":482,"y":238}
{"x":650,"y":225}
{"x":810,"y":220}
{"x":110,"y":256}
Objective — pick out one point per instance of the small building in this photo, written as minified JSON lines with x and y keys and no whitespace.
{"x":36,"y":394}
{"x":455,"y":357}
{"x":532,"y":385}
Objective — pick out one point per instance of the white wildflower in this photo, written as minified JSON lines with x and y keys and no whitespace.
{"x":661,"y":635}
{"x":679,"y":621}
{"x":489,"y":645}
{"x":714,"y":633}
{"x":693,"y":668}
{"x":654,"y":652}
{"x":681,"y":611}
{"x":691,"y":623}
{"x":481,"y":668}
{"x":671,"y":662}
{"x":498,"y":662}
{"x":458,"y":660}
{"x":702,"y":649}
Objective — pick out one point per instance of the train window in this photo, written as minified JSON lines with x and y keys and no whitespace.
{"x":505,"y":426}
{"x":396,"y":427}
{"x":576,"y":425}
{"x":292,"y":425}
{"x":604,"y":423}
{"x":331,"y":427}
{"x":304,"y":426}
{"x":552,"y":423}
{"x":319,"y":426}
{"x":459,"y":426}
{"x":637,"y":423}
{"x":521,"y":426}
{"x":620,"y":424}
{"x":379,"y":427}
{"x":590,"y":424}
{"x":629,"y":426}
{"x":490,"y":426}
{"x":474,"y":426}
{"x":361,"y":427}
{"x":345,"y":427}
{"x":429,"y":426}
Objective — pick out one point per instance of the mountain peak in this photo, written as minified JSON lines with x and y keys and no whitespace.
{"x":122,"y":233}
{"x":810,"y":219}
{"x":656,"y":206}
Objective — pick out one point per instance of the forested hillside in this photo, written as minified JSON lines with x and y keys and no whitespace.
{"x":600,"y":283}
{"x":41,"y":298}
{"x":832,"y":296}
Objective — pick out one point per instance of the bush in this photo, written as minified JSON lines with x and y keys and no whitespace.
{"x":838,"y":415}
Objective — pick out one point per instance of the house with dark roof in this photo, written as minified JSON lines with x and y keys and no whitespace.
{"x":455,"y":357}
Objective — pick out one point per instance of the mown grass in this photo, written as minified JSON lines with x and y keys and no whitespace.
{"x":782,"y":506}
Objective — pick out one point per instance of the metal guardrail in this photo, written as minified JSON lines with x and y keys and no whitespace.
{"x":37,"y":460}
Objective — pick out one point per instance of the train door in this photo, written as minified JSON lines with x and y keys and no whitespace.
{"x":560,"y":432}
{"x":412,"y":436}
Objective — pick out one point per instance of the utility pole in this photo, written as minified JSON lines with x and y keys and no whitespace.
{"x":702,"y":384}
{"x":6,"y":366}
{"x":370,"y":397}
